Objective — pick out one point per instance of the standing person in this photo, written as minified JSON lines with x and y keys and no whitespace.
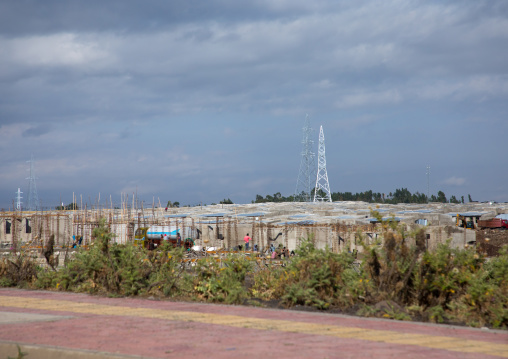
{"x":246,"y":239}
{"x":178,"y":239}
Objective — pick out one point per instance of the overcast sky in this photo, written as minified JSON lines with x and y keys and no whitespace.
{"x":197,"y":101}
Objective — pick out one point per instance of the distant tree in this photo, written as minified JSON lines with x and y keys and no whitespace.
{"x":419,"y":198}
{"x":259,"y":199}
{"x":453,"y":199}
{"x":69,"y":207}
{"x":469,"y":197}
{"x":300,"y":197}
{"x":173,"y":204}
{"x":378,"y":197}
{"x":441,"y":197}
{"x":402,"y":196}
{"x":226,"y":201}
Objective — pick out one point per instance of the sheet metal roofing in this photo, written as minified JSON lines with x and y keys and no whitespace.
{"x":396,"y":219}
{"x":299,"y":223}
{"x":255,"y":214}
{"x":347,"y":217}
{"x":214,"y":215}
{"x":467,"y":214}
{"x":415,"y":211}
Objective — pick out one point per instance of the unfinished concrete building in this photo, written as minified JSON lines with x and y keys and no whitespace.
{"x":336,"y":226}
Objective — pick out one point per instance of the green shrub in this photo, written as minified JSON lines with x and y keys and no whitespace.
{"x":116,"y":269}
{"x":222,"y":281}
{"x":314,"y":277}
{"x":18,"y":270}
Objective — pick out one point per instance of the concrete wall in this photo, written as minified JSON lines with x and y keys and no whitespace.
{"x":65,"y":225}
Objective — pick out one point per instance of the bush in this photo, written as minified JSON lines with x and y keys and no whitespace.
{"x":314,"y":277}
{"x":117,"y":269}
{"x":395,"y":280}
{"x":18,"y":270}
{"x":222,"y":281}
{"x":447,"y":284}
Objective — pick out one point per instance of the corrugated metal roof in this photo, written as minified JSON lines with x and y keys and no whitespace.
{"x":213,"y":215}
{"x":347,"y":217}
{"x":467,"y":214}
{"x":255,"y":214}
{"x":299,"y":216}
{"x":396,"y":219}
{"x":415,"y":211}
{"x":299,"y":223}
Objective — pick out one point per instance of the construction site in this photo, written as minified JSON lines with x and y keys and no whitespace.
{"x":337,"y":226}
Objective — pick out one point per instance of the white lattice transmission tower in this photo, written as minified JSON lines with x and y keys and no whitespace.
{"x":307,"y":172}
{"x":33,"y":198}
{"x":322,"y":189}
{"x":18,"y":200}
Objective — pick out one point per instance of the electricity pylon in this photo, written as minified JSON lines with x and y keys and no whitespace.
{"x":304,"y":182}
{"x":322,"y":188}
{"x":18,"y":199}
{"x":33,"y":198}
{"x":428,"y":183}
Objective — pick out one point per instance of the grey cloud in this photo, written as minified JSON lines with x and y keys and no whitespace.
{"x":36,"y":131}
{"x":123,"y":79}
{"x":53,"y":16}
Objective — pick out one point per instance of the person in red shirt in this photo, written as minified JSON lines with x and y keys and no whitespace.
{"x":246,"y":239}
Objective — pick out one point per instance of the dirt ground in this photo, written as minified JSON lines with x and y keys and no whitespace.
{"x":490,"y":241}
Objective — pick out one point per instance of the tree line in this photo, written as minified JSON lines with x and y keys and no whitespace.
{"x":400,"y":195}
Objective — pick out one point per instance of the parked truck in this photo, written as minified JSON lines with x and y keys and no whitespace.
{"x":493,"y":223}
{"x":153,"y":236}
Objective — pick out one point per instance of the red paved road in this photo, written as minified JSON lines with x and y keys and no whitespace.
{"x":162,"y":329}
